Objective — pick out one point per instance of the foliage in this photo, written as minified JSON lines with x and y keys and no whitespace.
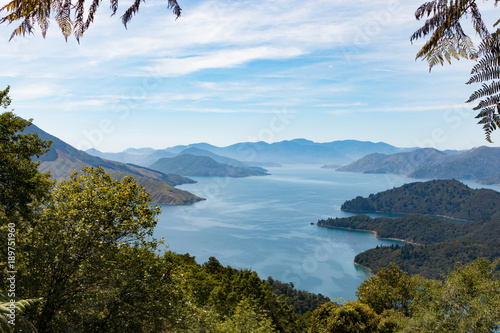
{"x":71,"y":17}
{"x":77,"y":243}
{"x":21,"y":184}
{"x":352,"y":317}
{"x":448,"y":40}
{"x":430,"y":261}
{"x":301,"y":300}
{"x":420,"y":229}
{"x":391,"y":289}
{"x":468,"y":300}
{"x":449,"y":198}
{"x":246,"y":318}
{"x":21,"y":324}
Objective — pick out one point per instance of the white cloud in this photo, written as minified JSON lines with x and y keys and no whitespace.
{"x":218,"y":59}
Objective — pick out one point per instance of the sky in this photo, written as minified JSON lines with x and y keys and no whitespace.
{"x":245,"y":70}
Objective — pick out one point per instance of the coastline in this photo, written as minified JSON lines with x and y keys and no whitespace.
{"x":373,"y":232}
{"x":364,"y":267}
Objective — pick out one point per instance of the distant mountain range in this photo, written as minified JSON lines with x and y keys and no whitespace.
{"x":194,"y":165}
{"x":480,"y":164}
{"x":298,"y":151}
{"x":62,"y":159}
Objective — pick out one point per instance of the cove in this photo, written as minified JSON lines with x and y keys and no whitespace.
{"x":264,"y":223}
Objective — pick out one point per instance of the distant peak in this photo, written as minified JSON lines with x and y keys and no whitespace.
{"x":301,"y":140}
{"x":93,"y":151}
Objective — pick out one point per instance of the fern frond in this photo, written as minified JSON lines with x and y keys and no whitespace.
{"x":486,"y":90}
{"x":176,"y":9}
{"x":485,"y":103}
{"x":26,"y":27}
{"x":447,"y":39}
{"x":78,"y":26}
{"x":491,"y":74}
{"x":491,"y":122}
{"x":22,"y":324}
{"x":130,"y":12}
{"x":92,"y":11}
{"x":63,"y":17}
{"x":70,"y":17}
{"x":113,"y":5}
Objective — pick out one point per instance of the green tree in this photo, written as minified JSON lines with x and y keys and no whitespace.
{"x":72,"y":17}
{"x":391,"y":289}
{"x":448,"y":40}
{"x":467,"y":301}
{"x":352,"y":317}
{"x":90,"y":229}
{"x":246,"y":318}
{"x":21,"y":184}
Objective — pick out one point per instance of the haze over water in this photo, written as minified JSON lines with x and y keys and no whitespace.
{"x":264,"y":223}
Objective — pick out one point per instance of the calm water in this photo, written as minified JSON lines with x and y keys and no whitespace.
{"x":264,"y":223}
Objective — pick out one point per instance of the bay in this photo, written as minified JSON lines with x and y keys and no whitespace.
{"x":264,"y":223}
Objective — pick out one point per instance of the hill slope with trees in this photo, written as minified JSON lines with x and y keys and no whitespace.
{"x":449,"y":198}
{"x":62,"y":159}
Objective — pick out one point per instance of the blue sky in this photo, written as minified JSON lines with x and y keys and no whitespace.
{"x":247,"y":70}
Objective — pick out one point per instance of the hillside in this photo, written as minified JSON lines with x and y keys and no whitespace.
{"x":431,"y":261}
{"x":400,"y":163}
{"x":449,"y":198}
{"x":161,"y":193}
{"x":490,"y":180}
{"x":480,"y":163}
{"x":442,"y":243}
{"x":474,"y":164}
{"x":420,"y":229}
{"x":192,"y":165}
{"x":62,"y":159}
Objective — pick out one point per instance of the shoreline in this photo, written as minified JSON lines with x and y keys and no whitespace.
{"x":364,"y":267}
{"x":373,"y":232}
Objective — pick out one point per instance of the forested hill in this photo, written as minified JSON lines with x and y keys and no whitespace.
{"x":63,"y":159}
{"x":193,"y":165}
{"x":445,"y":243}
{"x":449,"y":198}
{"x":420,"y":229}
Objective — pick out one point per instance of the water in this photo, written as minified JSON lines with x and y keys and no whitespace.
{"x":264,"y":223}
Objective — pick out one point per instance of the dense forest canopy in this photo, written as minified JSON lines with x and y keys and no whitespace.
{"x":449,"y":198}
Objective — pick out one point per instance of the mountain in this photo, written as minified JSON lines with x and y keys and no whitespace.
{"x":399,"y":163}
{"x":490,"y":180}
{"x":301,"y":151}
{"x":482,"y":163}
{"x":449,"y":198}
{"x":474,"y":164}
{"x":62,"y":159}
{"x":192,"y":165}
{"x":215,"y":157}
{"x":298,"y":151}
